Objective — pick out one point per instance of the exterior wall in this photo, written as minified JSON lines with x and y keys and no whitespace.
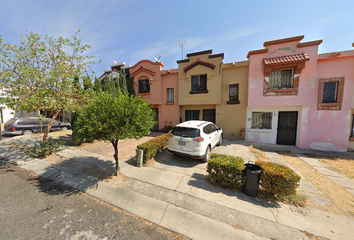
{"x":332,"y":133}
{"x":169,"y":112}
{"x":307,"y":82}
{"x":159,"y":81}
{"x":270,"y":136}
{"x":232,"y":117}
{"x":214,"y":78}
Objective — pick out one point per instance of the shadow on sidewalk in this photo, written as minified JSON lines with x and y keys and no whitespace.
{"x":201,"y":181}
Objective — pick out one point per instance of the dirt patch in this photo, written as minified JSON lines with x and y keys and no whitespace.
{"x":259,"y":154}
{"x":64,"y":134}
{"x":342,"y":200}
{"x":344,"y":166}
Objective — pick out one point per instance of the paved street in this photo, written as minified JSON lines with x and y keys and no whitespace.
{"x":35,"y":208}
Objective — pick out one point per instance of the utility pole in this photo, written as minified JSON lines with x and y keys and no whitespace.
{"x":181,"y":45}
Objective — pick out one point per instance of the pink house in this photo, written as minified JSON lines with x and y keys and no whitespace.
{"x":297,"y":97}
{"x":160,"y":88}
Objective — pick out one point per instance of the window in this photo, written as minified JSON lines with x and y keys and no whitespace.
{"x":192,"y":115}
{"x":352,"y":131}
{"x":170,"y":95}
{"x":330,"y":93}
{"x":199,"y":83}
{"x":281,"y":78}
{"x":261,"y":120}
{"x":233,"y":94}
{"x":144,"y":86}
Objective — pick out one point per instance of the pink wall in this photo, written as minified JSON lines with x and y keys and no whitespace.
{"x":159,"y":81}
{"x":328,"y":129}
{"x":306,"y":83}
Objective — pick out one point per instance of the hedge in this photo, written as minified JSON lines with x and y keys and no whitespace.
{"x":278,"y":179}
{"x":226,"y":170}
{"x":153,"y":146}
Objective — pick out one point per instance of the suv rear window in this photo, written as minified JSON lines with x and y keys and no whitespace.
{"x":10,"y":122}
{"x":186,"y":132}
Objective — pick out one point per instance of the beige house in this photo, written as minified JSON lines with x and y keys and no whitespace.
{"x":213,"y":91}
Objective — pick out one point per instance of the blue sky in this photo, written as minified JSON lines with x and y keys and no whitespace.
{"x":129,"y":31}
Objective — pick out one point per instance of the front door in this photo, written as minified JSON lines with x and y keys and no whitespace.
{"x":209,"y":115}
{"x":287,"y":128}
{"x":156,"y":118}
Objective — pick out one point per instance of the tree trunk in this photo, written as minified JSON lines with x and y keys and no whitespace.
{"x":46,"y":132}
{"x":115,"y":146}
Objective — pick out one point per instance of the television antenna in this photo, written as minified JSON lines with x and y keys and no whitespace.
{"x":157,"y":59}
{"x":182,"y":45}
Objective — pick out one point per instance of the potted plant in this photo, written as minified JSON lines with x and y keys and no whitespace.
{"x":242,"y":133}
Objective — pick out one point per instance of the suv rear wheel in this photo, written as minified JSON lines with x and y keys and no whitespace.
{"x":26,"y":132}
{"x":207,"y":154}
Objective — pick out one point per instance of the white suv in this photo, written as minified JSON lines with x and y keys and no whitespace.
{"x":195,"y":139}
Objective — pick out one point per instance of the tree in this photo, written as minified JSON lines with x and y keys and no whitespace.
{"x":41,"y":74}
{"x":110,"y":118}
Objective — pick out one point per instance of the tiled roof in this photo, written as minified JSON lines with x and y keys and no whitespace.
{"x":201,"y":62}
{"x":286,"y":59}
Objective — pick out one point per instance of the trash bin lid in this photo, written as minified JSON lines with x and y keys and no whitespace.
{"x":252,"y":166}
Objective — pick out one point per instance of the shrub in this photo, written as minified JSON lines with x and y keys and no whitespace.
{"x":45,"y":149}
{"x":153,"y":146}
{"x":278,"y":179}
{"x":226,"y":170}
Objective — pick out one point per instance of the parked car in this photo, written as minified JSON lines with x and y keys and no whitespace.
{"x":195,"y":138}
{"x":24,"y":126}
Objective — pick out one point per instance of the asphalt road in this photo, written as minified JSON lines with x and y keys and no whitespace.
{"x":35,"y":208}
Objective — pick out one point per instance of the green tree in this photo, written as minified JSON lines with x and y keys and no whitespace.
{"x":97,"y":86}
{"x":39,"y":74}
{"x":110,"y":118}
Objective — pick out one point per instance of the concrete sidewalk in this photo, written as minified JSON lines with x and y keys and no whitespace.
{"x":176,"y":197}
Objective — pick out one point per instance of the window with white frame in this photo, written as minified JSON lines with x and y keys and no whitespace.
{"x":170,"y":95}
{"x":261,"y":120}
{"x":281,"y":78}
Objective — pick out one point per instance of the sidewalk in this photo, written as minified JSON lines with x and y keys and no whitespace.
{"x":176,"y":196}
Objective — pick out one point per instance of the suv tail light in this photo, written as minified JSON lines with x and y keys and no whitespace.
{"x":13,"y":129}
{"x":171,"y":135}
{"x":198,"y":139}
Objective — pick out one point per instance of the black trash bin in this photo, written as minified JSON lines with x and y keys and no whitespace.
{"x":253,"y":173}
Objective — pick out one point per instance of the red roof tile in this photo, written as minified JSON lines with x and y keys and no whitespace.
{"x":286,"y":59}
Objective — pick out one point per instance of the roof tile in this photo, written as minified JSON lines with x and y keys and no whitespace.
{"x":301,"y":57}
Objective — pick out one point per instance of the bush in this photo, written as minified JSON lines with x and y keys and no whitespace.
{"x":45,"y":149}
{"x":153,"y":146}
{"x":226,"y":170}
{"x":278,"y":179}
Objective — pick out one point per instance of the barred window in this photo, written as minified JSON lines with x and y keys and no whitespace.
{"x":233,"y":94}
{"x":330,"y":92}
{"x":169,"y":95}
{"x":281,"y":78}
{"x":261,"y":120}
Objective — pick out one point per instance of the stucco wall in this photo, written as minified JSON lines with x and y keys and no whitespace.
{"x":328,"y":129}
{"x":213,"y":82}
{"x":169,"y":112}
{"x":232,"y":117}
{"x":270,"y":135}
{"x":307,"y":81}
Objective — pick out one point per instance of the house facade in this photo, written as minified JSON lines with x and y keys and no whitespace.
{"x":212,"y":91}
{"x":297,"y":97}
{"x":160,"y":89}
